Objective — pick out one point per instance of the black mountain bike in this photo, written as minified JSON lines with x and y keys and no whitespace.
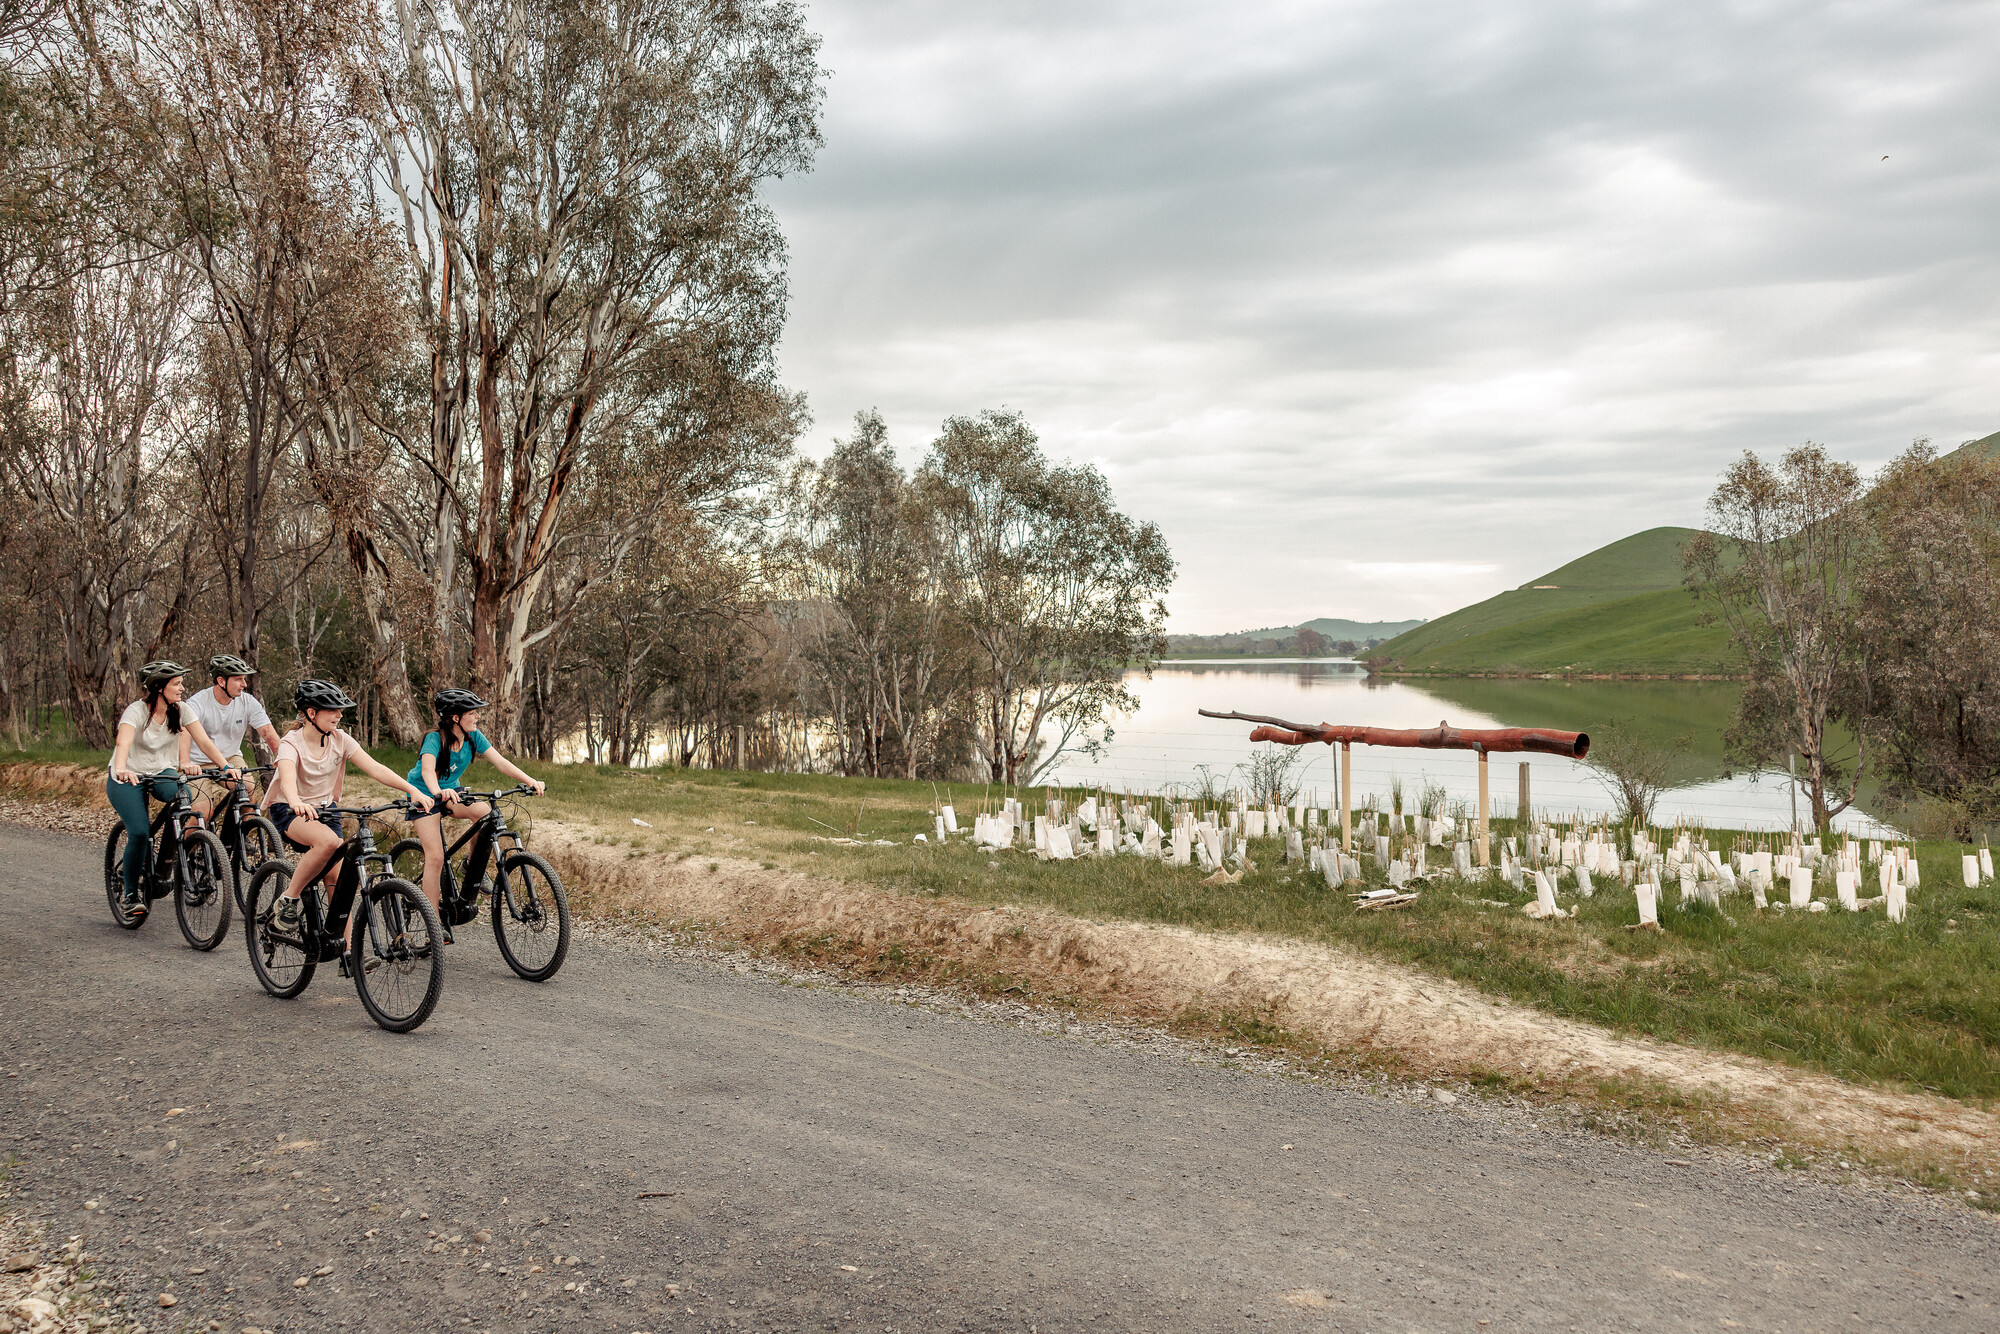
{"x":530,"y":910}
{"x":182,"y":859}
{"x":249,"y":837}
{"x":397,"y":958}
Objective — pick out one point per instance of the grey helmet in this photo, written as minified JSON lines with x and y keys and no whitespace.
{"x":159,"y":672}
{"x":314,"y":693}
{"x":228,"y":664}
{"x":450,"y":703}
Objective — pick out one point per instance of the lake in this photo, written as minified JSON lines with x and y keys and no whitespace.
{"x":1160,"y":745}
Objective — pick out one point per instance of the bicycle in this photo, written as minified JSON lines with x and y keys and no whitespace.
{"x":530,"y":908}
{"x":396,"y":959}
{"x":182,"y":858}
{"x":248,"y":835}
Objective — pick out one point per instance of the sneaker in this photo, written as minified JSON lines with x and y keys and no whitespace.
{"x":287,"y":913}
{"x":134,"y":903}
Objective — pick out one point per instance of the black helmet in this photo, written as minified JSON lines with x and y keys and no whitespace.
{"x":160,"y":672}
{"x":450,"y":703}
{"x":228,"y":664}
{"x":314,"y":693}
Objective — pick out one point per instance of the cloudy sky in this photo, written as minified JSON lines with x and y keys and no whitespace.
{"x":1379,"y":308}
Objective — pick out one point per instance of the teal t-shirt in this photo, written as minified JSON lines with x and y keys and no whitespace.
{"x":449,"y":771}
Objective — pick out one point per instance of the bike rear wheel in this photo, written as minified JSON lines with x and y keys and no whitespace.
{"x":202,"y":896}
{"x":261,"y":843}
{"x":114,"y":880}
{"x":398,"y":954}
{"x":530,"y":916}
{"x":283,"y":966}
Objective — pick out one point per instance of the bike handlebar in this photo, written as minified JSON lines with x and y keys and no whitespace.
{"x":365,"y":812}
{"x":521,"y":789}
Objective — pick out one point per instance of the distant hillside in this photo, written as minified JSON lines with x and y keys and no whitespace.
{"x":1283,"y":640}
{"x":1988,"y":445}
{"x":1620,"y":609}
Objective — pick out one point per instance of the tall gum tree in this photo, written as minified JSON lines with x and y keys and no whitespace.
{"x":1061,"y":592}
{"x":238,"y":118}
{"x":1782,"y":571}
{"x":577,"y":188}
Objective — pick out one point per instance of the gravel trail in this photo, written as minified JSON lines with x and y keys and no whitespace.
{"x":660,"y":1141}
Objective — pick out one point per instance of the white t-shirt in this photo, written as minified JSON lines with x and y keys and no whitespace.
{"x":320,"y":766}
{"x":226,"y":723}
{"x":153,"y":747}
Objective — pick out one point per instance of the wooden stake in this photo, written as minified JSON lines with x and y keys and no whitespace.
{"x":1522,"y":812}
{"x":1346,"y":793}
{"x":1485,"y":842}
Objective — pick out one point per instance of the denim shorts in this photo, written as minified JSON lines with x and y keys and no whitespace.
{"x":282,"y":815}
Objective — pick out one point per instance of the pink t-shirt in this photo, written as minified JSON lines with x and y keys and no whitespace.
{"x":320,"y":765}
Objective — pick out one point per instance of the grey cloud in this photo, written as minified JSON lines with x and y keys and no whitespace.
{"x":1400,"y":284}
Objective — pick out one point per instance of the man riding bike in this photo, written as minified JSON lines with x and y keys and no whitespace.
{"x":312,"y":762}
{"x":226,"y":710}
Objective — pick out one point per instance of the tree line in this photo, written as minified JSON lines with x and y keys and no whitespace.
{"x":1865,"y":615}
{"x":433,"y":343}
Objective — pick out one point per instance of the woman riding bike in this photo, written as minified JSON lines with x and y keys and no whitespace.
{"x":153,"y":737}
{"x":451,"y":749}
{"x":151,"y":741}
{"x":312,"y":762}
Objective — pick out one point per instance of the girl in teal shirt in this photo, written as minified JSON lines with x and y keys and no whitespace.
{"x":441,"y":764}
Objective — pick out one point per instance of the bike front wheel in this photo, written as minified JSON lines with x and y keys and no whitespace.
{"x":202,"y":896}
{"x":398,"y":954}
{"x":530,"y":916}
{"x":261,"y":843}
{"x":283,"y":966}
{"x":114,"y":880}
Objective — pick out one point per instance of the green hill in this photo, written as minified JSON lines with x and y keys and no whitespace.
{"x":1621,"y":609}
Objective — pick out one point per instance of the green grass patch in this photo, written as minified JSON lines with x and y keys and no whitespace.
{"x":1915,"y":1005}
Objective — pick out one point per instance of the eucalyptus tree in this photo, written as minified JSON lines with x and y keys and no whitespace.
{"x":1060,"y":592}
{"x":1781,"y":571}
{"x":238,"y":127}
{"x":1929,"y":613}
{"x":577,"y":188}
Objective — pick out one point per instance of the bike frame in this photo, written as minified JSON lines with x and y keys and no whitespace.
{"x":494,"y":826}
{"x":177,"y":811}
{"x":230,"y":814}
{"x":325,"y":933}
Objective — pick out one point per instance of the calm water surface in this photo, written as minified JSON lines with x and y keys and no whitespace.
{"x":1162,"y":743}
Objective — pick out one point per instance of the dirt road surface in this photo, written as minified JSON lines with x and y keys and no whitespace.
{"x":663,"y":1143}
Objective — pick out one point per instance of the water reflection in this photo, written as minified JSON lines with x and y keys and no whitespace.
{"x":1163,"y":742}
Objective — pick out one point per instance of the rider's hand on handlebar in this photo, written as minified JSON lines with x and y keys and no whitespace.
{"x":537,"y":784}
{"x":125,"y":775}
{"x":421,"y":802}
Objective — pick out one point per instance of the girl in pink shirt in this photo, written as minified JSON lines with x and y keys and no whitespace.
{"x":312,"y":760}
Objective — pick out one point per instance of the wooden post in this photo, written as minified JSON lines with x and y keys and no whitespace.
{"x":1521,"y":813}
{"x":739,"y":745}
{"x":1485,"y":802}
{"x":1346,"y":796}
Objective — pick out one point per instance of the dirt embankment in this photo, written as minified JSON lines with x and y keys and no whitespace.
{"x":1426,"y":1025}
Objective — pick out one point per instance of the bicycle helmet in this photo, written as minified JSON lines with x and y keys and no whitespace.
{"x":314,"y":693}
{"x":159,"y":672}
{"x":448,"y":703}
{"x":228,"y":664}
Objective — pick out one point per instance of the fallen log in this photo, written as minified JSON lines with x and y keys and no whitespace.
{"x":1492,"y":740}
